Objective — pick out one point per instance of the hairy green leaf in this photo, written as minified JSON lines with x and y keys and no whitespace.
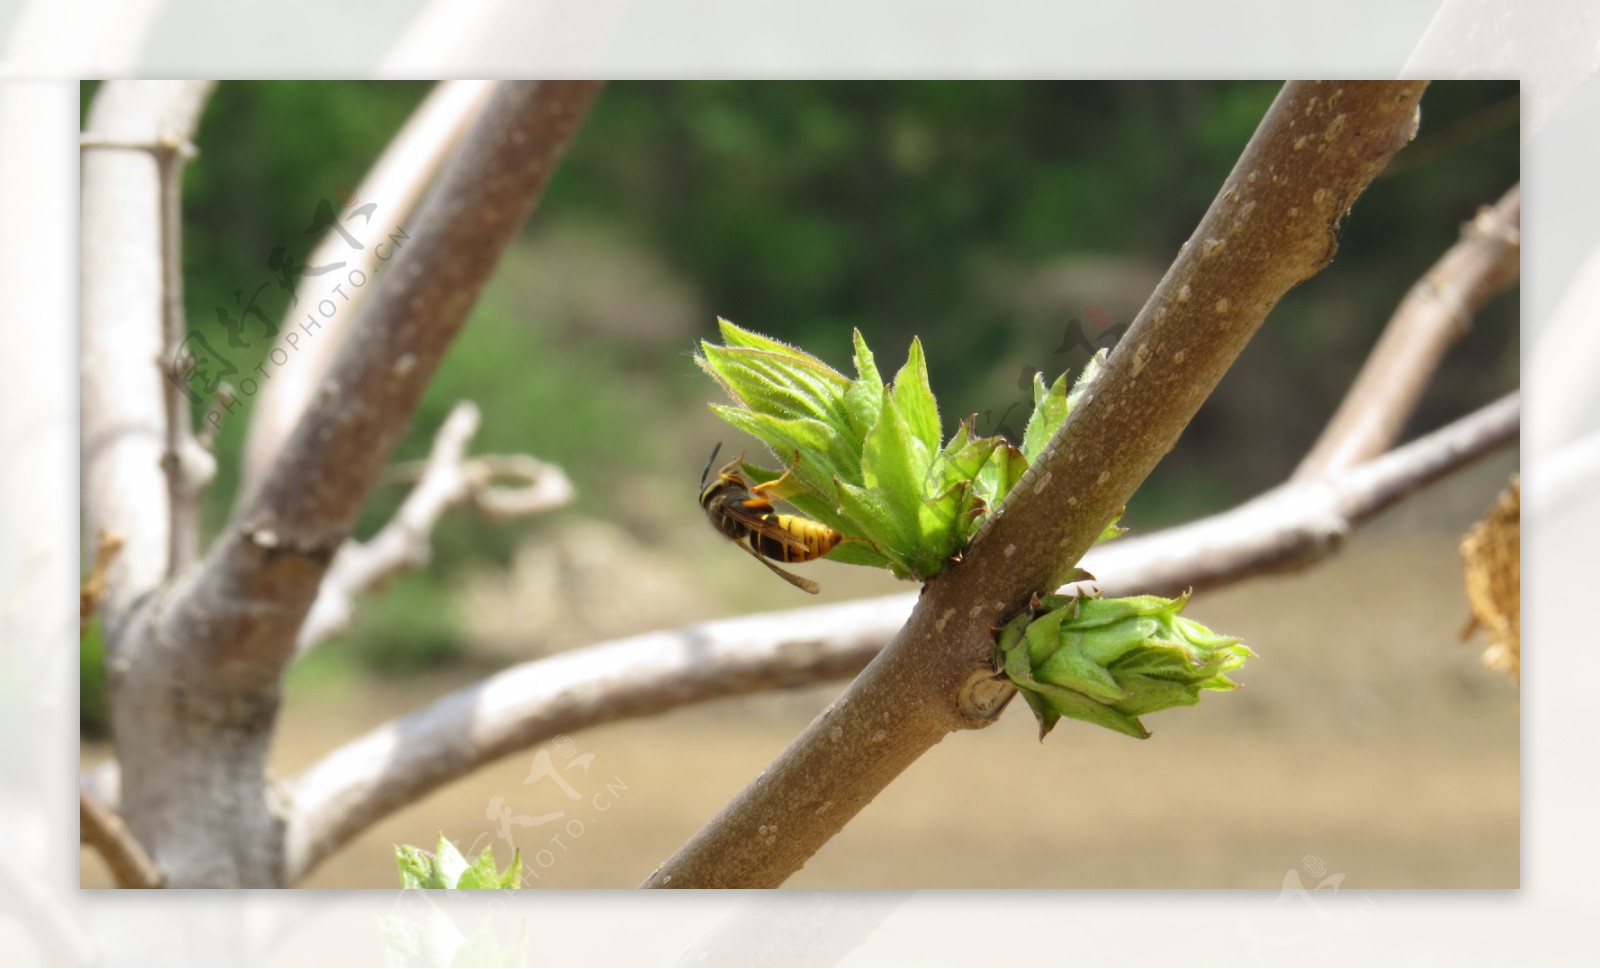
{"x":1049,"y":411}
{"x":864,"y":398}
{"x":914,"y":398}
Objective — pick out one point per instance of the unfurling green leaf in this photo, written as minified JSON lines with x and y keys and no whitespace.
{"x":447,"y":868}
{"x":866,"y":456}
{"x":864,"y":397}
{"x":1111,"y":661}
{"x":1049,"y":410}
{"x":915,"y":400}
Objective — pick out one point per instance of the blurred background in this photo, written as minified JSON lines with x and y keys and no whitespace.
{"x":1013,"y":226}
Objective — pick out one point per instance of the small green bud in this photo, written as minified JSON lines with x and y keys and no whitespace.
{"x":1110,"y":661}
{"x":448,"y":868}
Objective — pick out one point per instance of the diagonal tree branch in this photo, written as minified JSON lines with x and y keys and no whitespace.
{"x":1272,"y":226}
{"x":1302,"y":521}
{"x":193,"y":712}
{"x":105,"y":832}
{"x":283,"y":539}
{"x":401,"y":761}
{"x":396,"y":185}
{"x":1435,"y":314}
{"x":397,"y":763}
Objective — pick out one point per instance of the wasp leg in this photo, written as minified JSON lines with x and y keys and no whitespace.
{"x":775,"y":488}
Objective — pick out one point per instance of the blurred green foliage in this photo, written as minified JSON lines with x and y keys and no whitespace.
{"x":982,"y":216}
{"x":94,"y":713}
{"x":408,"y":629}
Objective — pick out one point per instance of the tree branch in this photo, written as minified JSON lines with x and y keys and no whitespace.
{"x":408,"y":758}
{"x":396,"y":184}
{"x":448,"y":480}
{"x":1300,"y":522}
{"x":189,"y":468}
{"x":122,"y":386}
{"x":1435,"y":313}
{"x":105,"y":833}
{"x":282,"y":542}
{"x":1272,"y":227}
{"x":194,"y":709}
{"x":401,"y":761}
{"x":541,"y":487}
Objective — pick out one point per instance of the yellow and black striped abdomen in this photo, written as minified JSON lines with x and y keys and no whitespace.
{"x":809,"y":539}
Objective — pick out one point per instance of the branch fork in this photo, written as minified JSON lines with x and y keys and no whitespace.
{"x":447,"y":479}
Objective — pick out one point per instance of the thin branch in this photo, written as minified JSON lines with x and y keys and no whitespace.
{"x":448,"y":481}
{"x":408,"y":758}
{"x":399,"y":762}
{"x":396,"y":184}
{"x":1435,"y":313}
{"x":216,"y":640}
{"x":123,"y":382}
{"x":1272,"y":227}
{"x":188,"y":466}
{"x":1302,"y":521}
{"x":106,"y":834}
{"x":244,"y":608}
{"x":539,"y":487}
{"x":221,"y":403}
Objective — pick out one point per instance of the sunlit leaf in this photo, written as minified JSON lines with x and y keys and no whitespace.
{"x":864,"y":398}
{"x":914,"y":398}
{"x":894,"y":463}
{"x":1049,"y":411}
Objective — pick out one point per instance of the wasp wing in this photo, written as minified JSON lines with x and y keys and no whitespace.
{"x":771,"y":529}
{"x":805,"y":585}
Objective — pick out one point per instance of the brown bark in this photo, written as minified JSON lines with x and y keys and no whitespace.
{"x":1271,"y":227}
{"x":402,"y":761}
{"x":196,"y":699}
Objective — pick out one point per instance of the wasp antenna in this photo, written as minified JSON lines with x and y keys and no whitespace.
{"x":709,"y":461}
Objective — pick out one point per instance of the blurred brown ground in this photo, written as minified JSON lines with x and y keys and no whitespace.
{"x":1369,"y":743}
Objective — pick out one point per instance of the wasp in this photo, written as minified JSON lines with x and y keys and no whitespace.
{"x":745,"y":514}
